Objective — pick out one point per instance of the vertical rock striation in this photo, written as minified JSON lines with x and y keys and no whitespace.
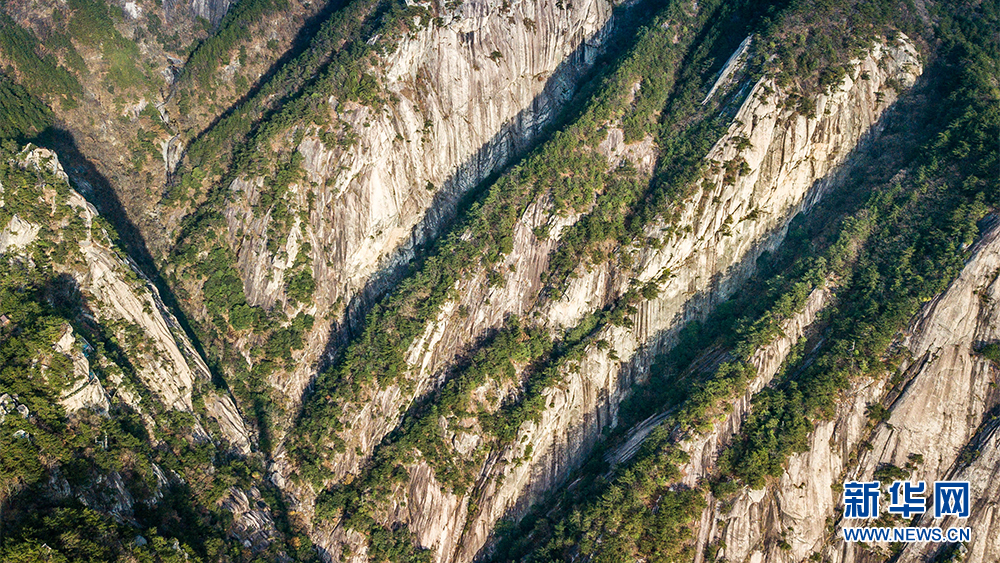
{"x":117,"y":294}
{"x":468,"y":94}
{"x":791,"y":159}
{"x":940,"y":413}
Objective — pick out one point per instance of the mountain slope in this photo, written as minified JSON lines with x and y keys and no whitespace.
{"x":116,"y":442}
{"x":491,"y":280}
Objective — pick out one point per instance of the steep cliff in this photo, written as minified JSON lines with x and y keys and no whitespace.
{"x":893,"y":381}
{"x":469,"y":93}
{"x":117,"y":295}
{"x":787,"y":157}
{"x":938,"y":406}
{"x":382,"y":280}
{"x":791,"y":157}
{"x":108,"y":356}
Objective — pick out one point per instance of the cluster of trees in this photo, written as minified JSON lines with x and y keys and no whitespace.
{"x":274,"y":200}
{"x":643,"y":512}
{"x":809,"y":51}
{"x":91,"y":23}
{"x":75,"y":533}
{"x":301,"y":285}
{"x":37,"y":69}
{"x":22,"y":116}
{"x":223,"y":289}
{"x":420,"y":436}
{"x":204,"y":60}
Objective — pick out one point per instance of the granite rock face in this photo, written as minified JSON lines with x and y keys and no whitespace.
{"x":792,"y":159}
{"x":211,"y":10}
{"x":117,"y":293}
{"x":942,"y":414}
{"x":86,"y":392}
{"x":941,"y":426}
{"x":469,"y":95}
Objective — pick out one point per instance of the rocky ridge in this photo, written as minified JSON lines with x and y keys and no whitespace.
{"x":472,"y":93}
{"x":791,"y":159}
{"x":168,"y":363}
{"x":801,"y":507}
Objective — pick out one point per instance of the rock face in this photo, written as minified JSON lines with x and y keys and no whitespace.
{"x":791,"y":160}
{"x":982,"y":474}
{"x":211,"y":10}
{"x":946,"y":410}
{"x":472,"y":93}
{"x":17,"y":234}
{"x":117,"y":293}
{"x":941,"y":412}
{"x":86,"y":392}
{"x":797,"y":513}
{"x":168,"y":364}
{"x":250,"y":523}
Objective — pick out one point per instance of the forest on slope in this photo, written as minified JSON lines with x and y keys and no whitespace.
{"x":422,"y":409}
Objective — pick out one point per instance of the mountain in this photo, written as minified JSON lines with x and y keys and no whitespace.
{"x":364,"y":280}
